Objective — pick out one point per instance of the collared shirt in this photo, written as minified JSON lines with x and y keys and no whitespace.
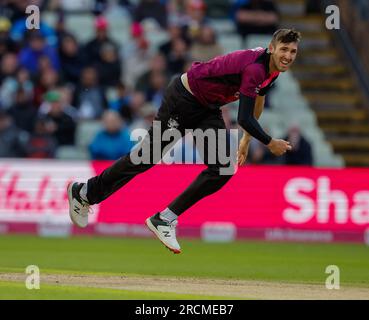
{"x":221,"y":80}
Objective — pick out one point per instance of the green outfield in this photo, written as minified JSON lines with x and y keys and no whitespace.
{"x":127,"y":259}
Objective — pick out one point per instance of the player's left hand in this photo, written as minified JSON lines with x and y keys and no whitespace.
{"x":241,"y":157}
{"x":243,"y":150}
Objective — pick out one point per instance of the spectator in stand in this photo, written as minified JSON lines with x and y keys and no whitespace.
{"x":29,"y":56}
{"x":41,"y":144}
{"x":178,"y":57}
{"x":196,"y":18}
{"x":175,"y":32}
{"x":113,"y":141}
{"x":71,"y":59}
{"x":61,"y":126}
{"x":155,"y":9}
{"x":12,"y":84}
{"x":109,"y":67}
{"x":44,"y":64}
{"x":158,"y":64}
{"x":136,"y":55}
{"x":177,"y":12}
{"x":136,"y":103}
{"x":147,"y":115}
{"x":89,"y":97}
{"x":255,"y":17}
{"x":22,"y":111}
{"x":67,"y":99}
{"x":47,"y":80}
{"x":60,"y":27}
{"x":92,"y":49}
{"x":301,"y":153}
{"x":6,"y":43}
{"x":8,"y":67}
{"x":206,"y":46}
{"x":155,"y":91}
{"x":66,"y":94}
{"x":121,"y":102}
{"x":13,"y":140}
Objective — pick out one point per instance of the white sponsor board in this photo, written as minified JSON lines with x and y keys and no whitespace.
{"x":35,"y":190}
{"x":218,"y":232}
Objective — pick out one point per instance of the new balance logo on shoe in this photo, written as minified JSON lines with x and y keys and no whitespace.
{"x":76,"y":209}
{"x":165,"y":231}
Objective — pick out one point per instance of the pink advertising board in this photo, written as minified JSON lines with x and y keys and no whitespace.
{"x":275,"y":203}
{"x":257,"y":197}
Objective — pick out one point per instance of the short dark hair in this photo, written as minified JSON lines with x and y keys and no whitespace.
{"x":286,"y":36}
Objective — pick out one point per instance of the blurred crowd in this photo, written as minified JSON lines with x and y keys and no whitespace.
{"x":50,"y":82}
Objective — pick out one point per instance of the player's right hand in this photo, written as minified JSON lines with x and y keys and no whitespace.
{"x":279,"y":147}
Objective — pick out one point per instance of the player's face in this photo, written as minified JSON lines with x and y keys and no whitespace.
{"x":283,"y":55}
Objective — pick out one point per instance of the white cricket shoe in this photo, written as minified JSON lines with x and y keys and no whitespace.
{"x":78,"y":208}
{"x":165,"y":231}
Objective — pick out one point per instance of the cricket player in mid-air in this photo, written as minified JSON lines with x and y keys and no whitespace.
{"x":193,"y":101}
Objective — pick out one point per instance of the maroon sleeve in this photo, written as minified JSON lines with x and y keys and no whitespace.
{"x":252,"y":77}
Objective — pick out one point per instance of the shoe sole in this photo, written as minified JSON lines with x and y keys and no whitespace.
{"x":70,"y":199}
{"x":154,"y":231}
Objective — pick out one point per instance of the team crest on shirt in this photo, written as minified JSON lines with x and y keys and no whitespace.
{"x":172,"y":124}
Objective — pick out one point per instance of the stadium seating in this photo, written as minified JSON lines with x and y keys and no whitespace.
{"x":329,"y":85}
{"x":322,"y":93}
{"x":86,"y":131}
{"x":71,"y":153}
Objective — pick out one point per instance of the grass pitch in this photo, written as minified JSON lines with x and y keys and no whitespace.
{"x":104,"y":257}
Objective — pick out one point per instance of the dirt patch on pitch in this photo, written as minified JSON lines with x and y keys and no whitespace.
{"x":243,"y":289}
